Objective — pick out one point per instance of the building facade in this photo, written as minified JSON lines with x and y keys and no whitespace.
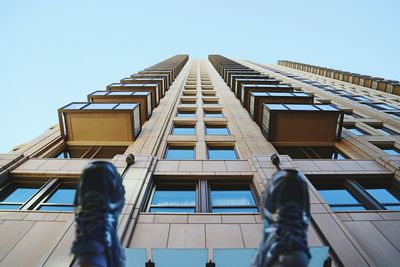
{"x":202,"y":133}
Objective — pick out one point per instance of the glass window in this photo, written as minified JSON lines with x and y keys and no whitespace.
{"x":341,"y":200}
{"x":301,"y":107}
{"x":384,"y":106}
{"x":179,"y":199}
{"x":75,"y":105}
{"x":217,"y":129}
{"x":183,"y":129}
{"x":73,"y":152}
{"x":61,"y":199}
{"x":222,"y":152}
{"x":179,"y":153}
{"x":356,"y":131}
{"x":392,"y":151}
{"x":311,"y":152}
{"x":100,"y":106}
{"x":209,"y":101}
{"x":232,"y":200}
{"x":213,"y":114}
{"x":14,"y":196}
{"x":186,"y":113}
{"x":126,"y":106}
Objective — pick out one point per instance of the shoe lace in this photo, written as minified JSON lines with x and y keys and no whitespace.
{"x":291,"y":231}
{"x":94,"y":223}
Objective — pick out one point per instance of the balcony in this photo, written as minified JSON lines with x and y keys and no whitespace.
{"x":230,"y":72}
{"x":156,"y":75}
{"x":83,"y":123}
{"x":258,"y":99}
{"x":249,"y":88}
{"x":238,"y":81}
{"x":142,"y":98}
{"x":302,"y":124}
{"x":152,"y":88}
{"x":158,"y":81}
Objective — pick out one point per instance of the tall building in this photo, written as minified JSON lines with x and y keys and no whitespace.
{"x":202,"y":133}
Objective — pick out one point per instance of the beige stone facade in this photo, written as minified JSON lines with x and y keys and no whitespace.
{"x":32,"y":237}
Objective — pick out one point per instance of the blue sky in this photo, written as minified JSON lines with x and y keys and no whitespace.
{"x":55,"y":52}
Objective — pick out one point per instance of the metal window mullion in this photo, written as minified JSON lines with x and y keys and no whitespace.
{"x":38,"y":198}
{"x":362,"y":195}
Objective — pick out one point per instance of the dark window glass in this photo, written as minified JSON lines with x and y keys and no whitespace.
{"x":222,"y":153}
{"x":213,"y":114}
{"x":179,"y":153}
{"x":108,"y":152}
{"x":233,"y":200}
{"x":188,"y":102}
{"x":184,"y":129}
{"x":217,"y":129}
{"x":210,"y":101}
{"x":186,"y":113}
{"x":356,"y":131}
{"x":173,"y":200}
{"x":105,"y":152}
{"x":341,"y":199}
{"x":311,"y":152}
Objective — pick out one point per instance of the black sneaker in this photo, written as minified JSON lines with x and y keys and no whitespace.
{"x":98,"y":202}
{"x":286,"y":214}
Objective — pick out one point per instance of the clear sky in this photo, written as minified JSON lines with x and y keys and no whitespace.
{"x":55,"y":52}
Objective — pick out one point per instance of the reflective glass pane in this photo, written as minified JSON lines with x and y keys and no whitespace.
{"x":384,"y":106}
{"x":126,"y":106}
{"x":213,"y":114}
{"x":9,"y":207}
{"x":56,"y":208}
{"x":232,"y":198}
{"x":217,"y":129}
{"x":20,"y":194}
{"x":182,"y":113}
{"x":327,"y":107}
{"x":75,"y":106}
{"x":184,"y":129}
{"x":391,"y":151}
{"x":382,"y":195}
{"x":301,"y":107}
{"x":222,"y":153}
{"x":100,"y":93}
{"x":62,"y":196}
{"x":337,"y":196}
{"x":356,"y":131}
{"x":120,"y":93}
{"x":174,"y":197}
{"x":275,"y":107}
{"x":172,"y":210}
{"x":100,"y":106}
{"x":392,"y":207}
{"x":177,"y":153}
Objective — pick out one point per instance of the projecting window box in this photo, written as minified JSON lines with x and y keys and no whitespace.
{"x":112,"y":123}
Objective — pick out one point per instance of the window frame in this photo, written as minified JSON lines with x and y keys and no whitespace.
{"x":168,"y":146}
{"x":203,"y":190}
{"x":46,"y":188}
{"x":92,"y":150}
{"x":357,"y":187}
{"x":214,"y":145}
